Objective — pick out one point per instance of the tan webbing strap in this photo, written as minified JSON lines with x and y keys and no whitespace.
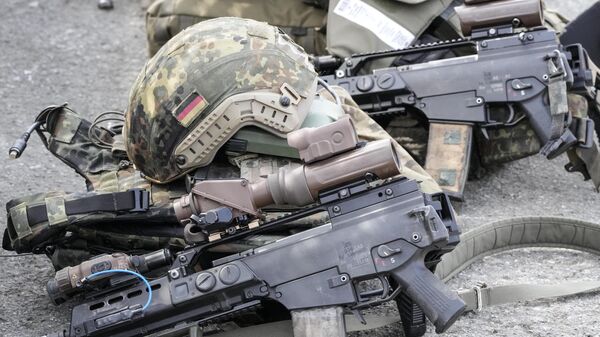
{"x":482,"y":296}
{"x":516,"y":233}
{"x":477,"y":298}
{"x":557,"y":94}
{"x":503,"y":235}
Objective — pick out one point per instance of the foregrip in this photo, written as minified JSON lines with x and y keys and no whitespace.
{"x":441,"y":305}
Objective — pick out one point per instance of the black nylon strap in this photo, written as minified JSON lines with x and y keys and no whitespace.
{"x":134,"y":200}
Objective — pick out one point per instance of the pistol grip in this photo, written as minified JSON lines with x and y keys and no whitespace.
{"x":440,"y":305}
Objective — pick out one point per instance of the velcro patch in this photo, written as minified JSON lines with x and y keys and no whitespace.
{"x":55,"y":209}
{"x":18,"y":216}
{"x":190,"y":109}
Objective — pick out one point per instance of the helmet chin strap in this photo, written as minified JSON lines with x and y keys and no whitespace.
{"x":324,"y":84}
{"x":256,"y":140}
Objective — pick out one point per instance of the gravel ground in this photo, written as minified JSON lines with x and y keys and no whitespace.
{"x":69,"y":51}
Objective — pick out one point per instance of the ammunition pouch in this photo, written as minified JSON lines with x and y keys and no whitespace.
{"x":69,"y":140}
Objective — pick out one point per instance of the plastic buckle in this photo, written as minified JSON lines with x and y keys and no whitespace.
{"x":141,"y":200}
{"x":477,"y":288}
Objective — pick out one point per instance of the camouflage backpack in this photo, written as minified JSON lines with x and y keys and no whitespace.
{"x":302,"y":20}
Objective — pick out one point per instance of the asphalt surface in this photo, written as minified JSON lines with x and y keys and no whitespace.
{"x":69,"y":51}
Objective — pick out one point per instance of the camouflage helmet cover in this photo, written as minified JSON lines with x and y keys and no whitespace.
{"x":205,"y":84}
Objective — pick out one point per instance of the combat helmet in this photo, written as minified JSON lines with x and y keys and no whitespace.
{"x":208,"y":82}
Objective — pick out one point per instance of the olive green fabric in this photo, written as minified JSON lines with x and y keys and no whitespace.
{"x":302,"y":21}
{"x":346,"y":37}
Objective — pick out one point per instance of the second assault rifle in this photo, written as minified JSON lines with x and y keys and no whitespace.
{"x":510,"y":71}
{"x":379,"y":229}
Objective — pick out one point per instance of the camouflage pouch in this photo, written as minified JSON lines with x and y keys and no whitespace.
{"x":301,"y":20}
{"x":19,"y":230}
{"x":49,"y":222}
{"x":67,"y":136}
{"x":507,"y":144}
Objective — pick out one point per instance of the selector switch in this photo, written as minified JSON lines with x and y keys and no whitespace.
{"x":384,"y":251}
{"x":517,"y":84}
{"x":229,"y":274}
{"x":205,"y":281}
{"x":364,"y":83}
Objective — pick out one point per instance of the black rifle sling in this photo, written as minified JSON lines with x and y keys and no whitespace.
{"x":134,"y":200}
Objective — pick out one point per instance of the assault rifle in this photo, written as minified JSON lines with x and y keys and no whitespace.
{"x":379,"y":229}
{"x":510,"y":70}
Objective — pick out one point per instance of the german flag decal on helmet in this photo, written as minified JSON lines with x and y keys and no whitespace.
{"x":190,"y":109}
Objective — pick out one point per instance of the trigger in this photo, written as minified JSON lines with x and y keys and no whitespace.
{"x":485,"y":133}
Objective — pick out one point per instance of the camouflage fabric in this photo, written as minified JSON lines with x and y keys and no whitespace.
{"x":69,"y":141}
{"x":68,"y":236}
{"x":507,"y":144}
{"x":578,"y":105}
{"x":519,"y":141}
{"x":55,"y":207}
{"x":200,"y":68}
{"x":92,"y":232}
{"x":21,"y":228}
{"x":411,"y":134}
{"x":299,"y":19}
